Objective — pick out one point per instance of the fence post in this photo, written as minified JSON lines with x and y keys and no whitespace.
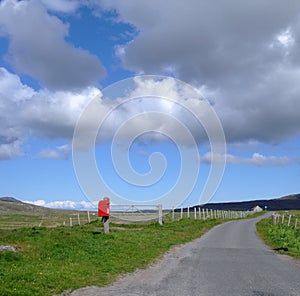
{"x":88,"y":214}
{"x":282,"y":221}
{"x":160,"y":219}
{"x":172,"y":214}
{"x":195,"y":213}
{"x":199,"y":213}
{"x":78,"y":218}
{"x":289,"y":222}
{"x":296,"y":221}
{"x":71,"y":222}
{"x":188,"y":212}
{"x":181,"y":212}
{"x":106,"y":226}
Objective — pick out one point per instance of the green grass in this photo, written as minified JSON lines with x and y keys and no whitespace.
{"x":284,"y":238}
{"x":52,"y":260}
{"x":51,"y":219}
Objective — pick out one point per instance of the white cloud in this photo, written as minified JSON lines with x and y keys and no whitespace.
{"x":65,"y":6}
{"x":65,"y":204}
{"x":40,"y":114}
{"x":286,"y":38}
{"x":56,"y":153}
{"x":43,"y":53}
{"x":11,"y":150}
{"x":162,"y":106}
{"x":256,"y":159}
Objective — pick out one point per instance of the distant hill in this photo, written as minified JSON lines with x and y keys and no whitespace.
{"x":289,"y":202}
{"x":9,"y":199}
{"x":284,"y":203}
{"x":12,"y":206}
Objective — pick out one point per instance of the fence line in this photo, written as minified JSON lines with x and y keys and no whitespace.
{"x":204,"y":214}
{"x":292,"y":220}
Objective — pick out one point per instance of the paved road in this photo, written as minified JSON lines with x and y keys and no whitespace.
{"x":228,"y":260}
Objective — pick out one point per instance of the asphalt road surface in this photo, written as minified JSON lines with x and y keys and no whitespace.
{"x":228,"y":260}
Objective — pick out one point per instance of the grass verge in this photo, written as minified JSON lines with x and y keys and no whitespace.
{"x":52,"y":260}
{"x":280,"y":237}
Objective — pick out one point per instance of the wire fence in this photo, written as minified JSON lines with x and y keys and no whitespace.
{"x":119,"y":214}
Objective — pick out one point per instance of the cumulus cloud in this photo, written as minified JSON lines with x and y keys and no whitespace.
{"x":65,"y":204}
{"x":256,"y":159}
{"x":25,"y":112}
{"x":156,"y":108}
{"x":56,"y":153}
{"x":43,"y":53}
{"x":250,"y":73}
{"x":11,"y":150}
{"x":245,"y":55}
{"x":65,"y":6}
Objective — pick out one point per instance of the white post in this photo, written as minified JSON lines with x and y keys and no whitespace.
{"x":88,"y":214}
{"x":173,"y":214}
{"x":188,"y":212}
{"x":78,"y":218}
{"x":160,"y":216}
{"x":211,"y":214}
{"x":71,"y":221}
{"x":181,"y":212}
{"x":289,"y":222}
{"x":282,"y":220}
{"x":206,"y":213}
{"x":106,"y":226}
{"x":199,"y":213}
{"x":203,"y":214}
{"x":195,"y":213}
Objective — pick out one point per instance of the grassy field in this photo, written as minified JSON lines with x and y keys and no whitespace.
{"x":281,"y":237}
{"x":17,"y":215}
{"x":51,"y":260}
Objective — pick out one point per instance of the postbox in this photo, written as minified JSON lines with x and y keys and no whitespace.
{"x":103,"y":207}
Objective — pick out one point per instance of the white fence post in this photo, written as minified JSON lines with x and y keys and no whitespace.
{"x":195,"y":213}
{"x":78,"y":218}
{"x":160,"y":219}
{"x":199,"y":213}
{"x":172,"y":214}
{"x":88,"y":214}
{"x":188,"y":212}
{"x":71,"y":222}
{"x":282,"y":221}
{"x":181,"y":212}
{"x":289,"y":222}
{"x":106,"y":226}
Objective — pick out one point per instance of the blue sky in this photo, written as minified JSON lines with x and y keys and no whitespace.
{"x":58,"y":57}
